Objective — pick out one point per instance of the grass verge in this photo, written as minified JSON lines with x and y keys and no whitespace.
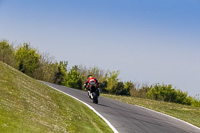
{"x":183,"y":112}
{"x":27,"y":105}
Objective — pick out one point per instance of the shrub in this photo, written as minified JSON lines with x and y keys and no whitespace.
{"x":196,"y":101}
{"x":112,"y":81}
{"x":28,"y":59}
{"x":47,"y":69}
{"x":61,"y":73}
{"x":168,"y":94}
{"x":7,"y":54}
{"x":73,"y":79}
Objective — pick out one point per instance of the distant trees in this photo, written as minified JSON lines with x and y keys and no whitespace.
{"x":112,"y":82}
{"x":43,"y":67}
{"x":114,"y":86}
{"x":28,"y":59}
{"x":141,"y":92}
{"x":7,"y":53}
{"x":167,"y":93}
{"x":47,"y":69}
{"x":73,"y":78}
{"x":61,"y":73}
{"x":196,"y":100}
{"x":129,"y":88}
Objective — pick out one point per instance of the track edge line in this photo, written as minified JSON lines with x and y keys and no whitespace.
{"x":109,"y":124}
{"x":169,"y":116}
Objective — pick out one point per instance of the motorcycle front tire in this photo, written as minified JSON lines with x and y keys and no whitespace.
{"x":95,"y":98}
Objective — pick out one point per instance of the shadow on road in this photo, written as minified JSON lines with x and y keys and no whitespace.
{"x":104,"y":105}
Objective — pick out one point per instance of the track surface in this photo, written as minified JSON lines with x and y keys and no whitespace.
{"x":128,"y":118}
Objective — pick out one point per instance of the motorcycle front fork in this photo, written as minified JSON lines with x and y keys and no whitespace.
{"x":90,"y":95}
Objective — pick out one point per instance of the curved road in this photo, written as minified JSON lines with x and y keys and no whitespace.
{"x":128,"y":118}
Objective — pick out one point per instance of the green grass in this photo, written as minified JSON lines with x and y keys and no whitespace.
{"x":27,"y":105}
{"x":183,"y":112}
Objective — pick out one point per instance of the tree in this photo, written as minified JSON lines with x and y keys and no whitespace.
{"x":7,"y":53}
{"x":47,"y":69}
{"x":119,"y":89}
{"x":112,"y":81}
{"x":169,"y":94}
{"x":28,"y":59}
{"x":129,"y":88}
{"x":73,"y":79}
{"x":61,"y":72}
{"x":83,"y":73}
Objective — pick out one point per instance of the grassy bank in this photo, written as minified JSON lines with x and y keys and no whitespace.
{"x":183,"y":112}
{"x":27,"y":105}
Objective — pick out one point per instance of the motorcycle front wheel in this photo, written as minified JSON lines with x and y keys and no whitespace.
{"x":95,"y":98}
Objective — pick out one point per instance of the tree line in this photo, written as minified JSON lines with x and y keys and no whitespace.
{"x":44,"y":67}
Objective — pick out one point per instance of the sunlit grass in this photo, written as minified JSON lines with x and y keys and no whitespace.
{"x":184,"y":112}
{"x":27,"y":105}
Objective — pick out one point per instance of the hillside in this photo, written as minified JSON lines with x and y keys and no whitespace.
{"x":27,"y":105}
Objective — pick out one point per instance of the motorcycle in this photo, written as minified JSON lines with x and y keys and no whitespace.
{"x":93,"y":92}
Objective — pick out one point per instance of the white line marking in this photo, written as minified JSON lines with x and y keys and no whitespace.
{"x":169,"y":116}
{"x":109,"y":124}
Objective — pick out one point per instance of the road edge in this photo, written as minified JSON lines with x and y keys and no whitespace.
{"x":169,"y":116}
{"x":109,"y":124}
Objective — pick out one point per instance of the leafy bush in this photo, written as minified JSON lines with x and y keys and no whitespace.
{"x":112,"y":82}
{"x":117,"y":89}
{"x":61,"y":73}
{"x":129,"y":88}
{"x":168,"y":94}
{"x":142,"y":92}
{"x":28,"y":59}
{"x":7,"y":54}
{"x":103,"y":86}
{"x":47,"y":69}
{"x":196,"y":101}
{"x":73,"y":79}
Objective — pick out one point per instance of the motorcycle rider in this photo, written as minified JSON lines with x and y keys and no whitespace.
{"x":89,"y":80}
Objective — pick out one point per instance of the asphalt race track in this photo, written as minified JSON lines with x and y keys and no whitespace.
{"x":128,"y":118}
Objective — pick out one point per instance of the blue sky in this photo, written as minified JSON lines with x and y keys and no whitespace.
{"x":149,"y":41}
